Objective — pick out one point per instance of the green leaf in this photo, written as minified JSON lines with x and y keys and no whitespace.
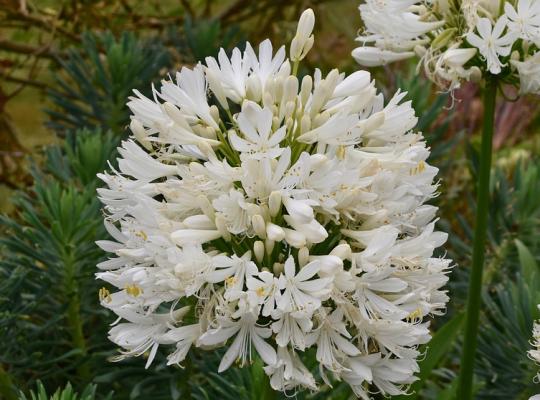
{"x":529,"y":267}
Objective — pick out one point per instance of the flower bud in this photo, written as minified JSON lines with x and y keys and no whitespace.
{"x":291,"y":89}
{"x":214,"y":113}
{"x":305,"y":123}
{"x":258,"y":249}
{"x":475,"y":75}
{"x":303,"y":40}
{"x":274,"y":203}
{"x":176,"y":115}
{"x":305,"y":90}
{"x":140,"y":134}
{"x":303,"y":256}
{"x":443,"y":38}
{"x":254,"y":88}
{"x":342,"y":251}
{"x":259,"y":226}
{"x":221,"y":225}
{"x":294,"y":238}
{"x":269,"y":245}
{"x":278,"y":268}
{"x":268,"y":100}
{"x":206,"y":207}
{"x":275,"y":232}
{"x":458,"y":57}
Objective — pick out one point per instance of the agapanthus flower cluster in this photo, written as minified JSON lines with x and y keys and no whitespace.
{"x":268,"y":214}
{"x":456,"y":40}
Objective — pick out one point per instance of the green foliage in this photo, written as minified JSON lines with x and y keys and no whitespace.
{"x":97,"y":79}
{"x":204,"y":37}
{"x":503,"y":364}
{"x":67,"y":393}
{"x":48,"y":291}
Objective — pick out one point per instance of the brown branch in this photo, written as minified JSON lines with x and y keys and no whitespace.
{"x":29,"y":82}
{"x":43,"y":51}
{"x":232,"y":9}
{"x":43,"y":23}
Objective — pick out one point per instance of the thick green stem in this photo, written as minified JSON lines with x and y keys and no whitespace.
{"x":74,"y":320}
{"x":465,"y":391}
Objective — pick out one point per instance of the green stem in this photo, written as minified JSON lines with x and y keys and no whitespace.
{"x":7,"y":388}
{"x":74,"y":319}
{"x":465,"y":391}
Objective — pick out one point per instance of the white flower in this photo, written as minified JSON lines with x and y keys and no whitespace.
{"x":333,"y":340}
{"x":529,"y":74}
{"x":300,"y":292}
{"x":288,"y":214}
{"x":372,"y":56}
{"x":289,"y":372}
{"x":453,"y":41}
{"x":491,"y":42}
{"x":247,"y":332}
{"x":255,"y":123}
{"x":526,"y":20}
{"x":266,"y":288}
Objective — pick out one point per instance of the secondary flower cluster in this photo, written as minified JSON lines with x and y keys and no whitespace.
{"x":456,"y":40}
{"x":287,"y":215}
{"x":535,"y":353}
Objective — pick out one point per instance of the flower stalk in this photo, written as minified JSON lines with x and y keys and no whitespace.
{"x":73,"y":316}
{"x":465,"y":391}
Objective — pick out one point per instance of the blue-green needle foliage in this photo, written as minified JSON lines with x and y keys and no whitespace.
{"x":47,"y":286}
{"x":67,"y":393}
{"x":95,"y":81}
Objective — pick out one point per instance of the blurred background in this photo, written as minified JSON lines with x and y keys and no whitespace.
{"x":66,"y":70}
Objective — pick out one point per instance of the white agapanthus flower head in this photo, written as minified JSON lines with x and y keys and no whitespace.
{"x":269,"y":214}
{"x":456,"y":41}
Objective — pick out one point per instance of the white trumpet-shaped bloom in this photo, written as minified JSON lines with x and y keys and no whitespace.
{"x":270,"y":215}
{"x":455,"y":41}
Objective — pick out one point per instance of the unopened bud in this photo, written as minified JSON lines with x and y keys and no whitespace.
{"x":303,"y":40}
{"x":269,"y":245}
{"x":221,"y":226}
{"x":303,"y":256}
{"x":206,"y":207}
{"x":443,"y":38}
{"x":274,"y":203}
{"x":258,"y":249}
{"x":259,"y":226}
{"x":254,"y":88}
{"x":342,"y":251}
{"x":278,"y":268}
{"x":275,"y":232}
{"x":176,"y":115}
{"x":214,"y":113}
{"x":140,"y":134}
{"x":305,"y":90}
{"x":295,"y":238}
{"x":291,"y":88}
